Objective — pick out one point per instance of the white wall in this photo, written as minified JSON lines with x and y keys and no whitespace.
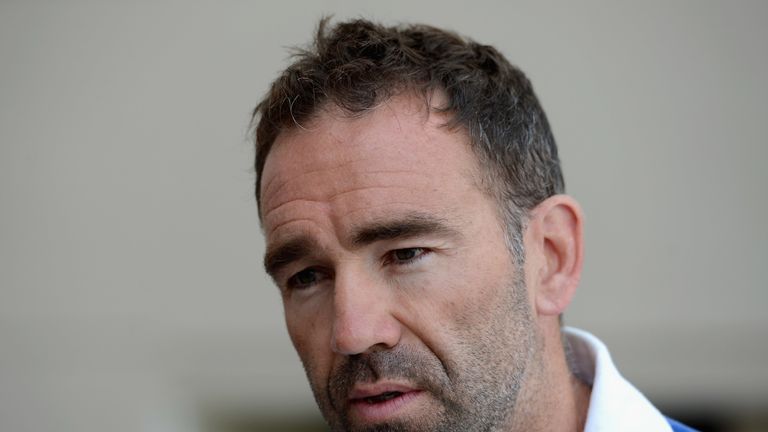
{"x":131,"y":291}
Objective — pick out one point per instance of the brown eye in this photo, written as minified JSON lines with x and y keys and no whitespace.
{"x":304,"y":279}
{"x":407,"y":254}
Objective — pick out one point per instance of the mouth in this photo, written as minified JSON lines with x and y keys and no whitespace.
{"x":380,"y":398}
{"x":381,"y":402}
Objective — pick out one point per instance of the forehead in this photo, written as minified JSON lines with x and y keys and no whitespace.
{"x":398,"y":154}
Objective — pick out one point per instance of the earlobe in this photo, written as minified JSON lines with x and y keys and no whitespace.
{"x":555,"y":234}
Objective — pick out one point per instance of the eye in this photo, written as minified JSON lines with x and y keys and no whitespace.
{"x":407,"y":255}
{"x":305,"y":279}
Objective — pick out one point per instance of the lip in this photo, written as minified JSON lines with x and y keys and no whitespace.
{"x":362,"y":391}
{"x":367,"y":412}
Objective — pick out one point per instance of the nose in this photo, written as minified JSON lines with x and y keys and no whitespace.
{"x":363,"y":319}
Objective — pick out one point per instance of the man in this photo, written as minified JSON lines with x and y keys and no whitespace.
{"x":412,"y":201}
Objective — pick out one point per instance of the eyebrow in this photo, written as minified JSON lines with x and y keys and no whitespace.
{"x":412,"y":225}
{"x":409,"y":226}
{"x":292,"y":250}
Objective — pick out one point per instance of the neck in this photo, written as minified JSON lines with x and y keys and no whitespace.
{"x":554,"y":399}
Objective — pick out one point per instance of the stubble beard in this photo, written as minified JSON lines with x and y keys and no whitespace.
{"x":475,"y":393}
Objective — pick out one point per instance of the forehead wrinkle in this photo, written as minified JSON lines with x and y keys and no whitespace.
{"x":369,"y":180}
{"x":281,"y":224}
{"x":292,"y":201}
{"x":408,"y":208}
{"x":358,"y":136}
{"x":406,"y":204}
{"x":339,"y":195}
{"x":265,"y":186}
{"x":345,"y":132}
{"x":281,"y":185}
{"x":356,"y":174}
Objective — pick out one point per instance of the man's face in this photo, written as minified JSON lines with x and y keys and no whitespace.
{"x":400,"y":295}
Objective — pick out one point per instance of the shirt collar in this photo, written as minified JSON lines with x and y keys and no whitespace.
{"x":615,"y":404}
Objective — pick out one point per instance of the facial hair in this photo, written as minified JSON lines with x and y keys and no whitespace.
{"x":476,"y":391}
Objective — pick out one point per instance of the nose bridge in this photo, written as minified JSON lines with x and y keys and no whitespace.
{"x":362,"y":312}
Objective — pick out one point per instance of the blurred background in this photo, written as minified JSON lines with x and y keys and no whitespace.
{"x":132,"y":296}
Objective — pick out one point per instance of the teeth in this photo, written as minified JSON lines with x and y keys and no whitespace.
{"x":382,"y":397}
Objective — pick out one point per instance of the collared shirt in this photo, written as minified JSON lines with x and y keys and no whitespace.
{"x":615,"y":404}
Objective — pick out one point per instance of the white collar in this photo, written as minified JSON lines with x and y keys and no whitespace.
{"x":615,"y":404}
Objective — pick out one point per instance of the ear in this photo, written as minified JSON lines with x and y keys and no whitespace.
{"x":555,"y":248}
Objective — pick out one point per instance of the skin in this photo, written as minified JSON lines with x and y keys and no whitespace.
{"x":395,"y":277}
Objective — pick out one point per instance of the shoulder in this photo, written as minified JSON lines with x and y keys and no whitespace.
{"x":679,"y":427}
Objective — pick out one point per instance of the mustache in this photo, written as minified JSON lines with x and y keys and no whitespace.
{"x":420,"y":369}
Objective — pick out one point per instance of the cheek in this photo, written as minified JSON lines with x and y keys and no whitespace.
{"x":476,"y":284}
{"x":309,"y":336}
{"x":468,"y":280}
{"x":452,"y":305}
{"x":298,"y":335}
{"x":477,"y":298}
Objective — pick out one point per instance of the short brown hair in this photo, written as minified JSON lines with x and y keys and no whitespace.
{"x":358,"y":64}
